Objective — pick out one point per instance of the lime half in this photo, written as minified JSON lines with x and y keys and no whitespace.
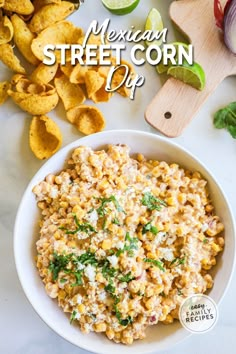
{"x":192,"y":75}
{"x":161,"y":68}
{"x":154,"y":23}
{"x":120,"y":7}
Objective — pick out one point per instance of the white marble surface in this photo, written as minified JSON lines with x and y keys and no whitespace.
{"x":21,"y":330}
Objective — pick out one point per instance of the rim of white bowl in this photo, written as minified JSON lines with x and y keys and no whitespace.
{"x":73,"y":145}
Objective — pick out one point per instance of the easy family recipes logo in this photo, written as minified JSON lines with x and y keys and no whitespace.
{"x":102,"y":54}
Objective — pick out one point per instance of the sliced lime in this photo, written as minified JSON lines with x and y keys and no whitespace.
{"x":161,"y":68}
{"x":192,"y":75}
{"x":120,"y":7}
{"x":154,"y":23}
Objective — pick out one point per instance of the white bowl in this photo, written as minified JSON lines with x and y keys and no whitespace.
{"x":159,"y":337}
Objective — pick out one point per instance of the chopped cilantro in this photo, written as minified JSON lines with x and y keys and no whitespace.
{"x":123,"y":322}
{"x":205,"y":240}
{"x":155,"y":262}
{"x":178,"y":261}
{"x":85,"y":227}
{"x":63,"y":280}
{"x":116,"y":221}
{"x":102,"y":211}
{"x":73,"y":316}
{"x":107,"y":271}
{"x":130,"y":245}
{"x":179,"y":292}
{"x":152,"y":202}
{"x":151,"y":228}
{"x":110,"y":288}
{"x":59,"y":263}
{"x":126,"y":278}
{"x":78,"y":275}
{"x":87,"y":258}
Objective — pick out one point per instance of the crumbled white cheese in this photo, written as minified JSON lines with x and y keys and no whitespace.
{"x":77,"y":316}
{"x":204,"y":227}
{"x":90,"y":273}
{"x":93,"y":216}
{"x":113,"y":260}
{"x":120,"y":245}
{"x":79,"y":299}
{"x":80,"y":266}
{"x":53,"y":192}
{"x":166,"y":253}
{"x":159,"y":238}
{"x":102,"y":296}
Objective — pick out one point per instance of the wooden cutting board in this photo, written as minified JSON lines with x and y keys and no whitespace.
{"x":176,"y":103}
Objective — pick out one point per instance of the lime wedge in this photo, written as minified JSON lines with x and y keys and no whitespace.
{"x":192,"y":75}
{"x":161,"y":68}
{"x":120,"y":7}
{"x":154,"y":23}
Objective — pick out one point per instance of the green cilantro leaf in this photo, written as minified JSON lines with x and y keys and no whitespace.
{"x":226,"y":118}
{"x":155,"y":262}
{"x":151,"y":228}
{"x":152,"y":202}
{"x":73,"y":316}
{"x":59,"y":263}
{"x":126,"y":278}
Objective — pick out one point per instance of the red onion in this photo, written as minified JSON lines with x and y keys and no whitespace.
{"x":226,"y":20}
{"x":230,"y":26}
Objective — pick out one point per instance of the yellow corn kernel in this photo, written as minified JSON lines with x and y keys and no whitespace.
{"x":110,"y":333}
{"x":100,"y":327}
{"x":100,"y":278}
{"x":160,"y":226}
{"x":104,"y":184}
{"x":158,"y":289}
{"x":201,"y":237}
{"x":106,"y":244}
{"x":180,"y":231}
{"x":64,"y":205}
{"x":216,"y":248}
{"x":169,"y":319}
{"x":134,"y":286}
{"x":220,"y":241}
{"x":205,"y":264}
{"x":149,"y":291}
{"x":150,"y":304}
{"x":156,"y":172}
{"x":209,"y":208}
{"x":213,"y":261}
{"x":81,"y":308}
{"x":71,"y":244}
{"x":151,"y":255}
{"x":61,"y":294}
{"x":166,"y":227}
{"x":76,"y":209}
{"x":182,"y":198}
{"x":57,"y":235}
{"x":165,"y":311}
{"x":127,"y":340}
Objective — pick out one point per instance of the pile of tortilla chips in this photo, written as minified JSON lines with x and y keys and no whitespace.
{"x":29,"y":26}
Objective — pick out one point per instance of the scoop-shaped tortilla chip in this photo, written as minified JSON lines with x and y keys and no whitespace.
{"x":71,"y":94}
{"x":63,"y":32}
{"x":45,"y":137}
{"x":101,"y":95}
{"x":23,"y":38}
{"x":4,"y":87}
{"x":87,"y":119}
{"x":50,"y":14}
{"x":44,"y":73}
{"x":78,"y":73}
{"x":8,"y":57}
{"x":36,"y":103}
{"x":6,"y":30}
{"x":22,"y":7}
{"x":40,"y":3}
{"x":67,"y":69}
{"x":93,"y":82}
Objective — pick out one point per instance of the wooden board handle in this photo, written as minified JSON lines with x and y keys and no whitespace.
{"x":176,"y":104}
